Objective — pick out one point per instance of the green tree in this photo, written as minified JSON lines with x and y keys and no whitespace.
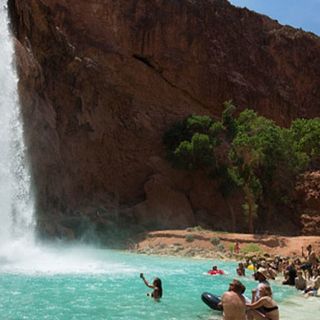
{"x":248,"y":152}
{"x":253,"y":151}
{"x":306,"y":138}
{"x":228,"y":120}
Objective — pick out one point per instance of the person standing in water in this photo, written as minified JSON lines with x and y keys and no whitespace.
{"x":311,"y":260}
{"x":265,"y":308}
{"x":156,"y":294}
{"x":233,"y":302}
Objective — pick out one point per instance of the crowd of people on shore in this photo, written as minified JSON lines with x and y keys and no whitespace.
{"x":303,"y":273}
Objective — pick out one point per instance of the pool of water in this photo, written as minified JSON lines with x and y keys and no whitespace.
{"x":85,"y":283}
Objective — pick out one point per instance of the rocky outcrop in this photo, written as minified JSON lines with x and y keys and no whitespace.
{"x":100,"y":82}
{"x":308,"y":191}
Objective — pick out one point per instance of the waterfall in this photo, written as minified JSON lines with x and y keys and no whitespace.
{"x":16,"y":202}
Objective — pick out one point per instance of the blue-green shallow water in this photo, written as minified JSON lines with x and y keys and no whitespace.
{"x":88,"y":283}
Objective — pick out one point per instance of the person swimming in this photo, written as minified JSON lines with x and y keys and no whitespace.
{"x":215,"y":271}
{"x":157,"y":292}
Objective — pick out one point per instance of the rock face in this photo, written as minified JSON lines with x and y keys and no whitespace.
{"x":100,"y":82}
{"x":308,"y":190}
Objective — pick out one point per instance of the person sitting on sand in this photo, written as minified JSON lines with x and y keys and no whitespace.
{"x":233,"y":302}
{"x":241,"y":270}
{"x":156,"y":286}
{"x":300,"y":282}
{"x":264,"y":308}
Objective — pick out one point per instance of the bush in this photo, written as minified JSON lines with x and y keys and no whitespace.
{"x":215,"y":241}
{"x":189,"y":237}
{"x":250,"y":248}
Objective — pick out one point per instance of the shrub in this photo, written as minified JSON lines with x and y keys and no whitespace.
{"x":251,"y":247}
{"x":189,"y":237}
{"x":215,"y":241}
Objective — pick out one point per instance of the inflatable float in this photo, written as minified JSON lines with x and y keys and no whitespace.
{"x":251,"y":267}
{"x":211,"y":301}
{"x":215,"y":272}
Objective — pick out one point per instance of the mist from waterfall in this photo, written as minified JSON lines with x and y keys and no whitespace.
{"x":19,"y":251}
{"x":16,"y":202}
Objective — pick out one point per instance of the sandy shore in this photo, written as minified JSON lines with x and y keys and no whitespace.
{"x":198,"y":243}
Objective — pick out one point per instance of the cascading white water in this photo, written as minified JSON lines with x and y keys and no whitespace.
{"x":19,"y":253}
{"x":16,"y":202}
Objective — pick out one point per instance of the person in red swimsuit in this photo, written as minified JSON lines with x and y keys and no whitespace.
{"x":215,"y":271}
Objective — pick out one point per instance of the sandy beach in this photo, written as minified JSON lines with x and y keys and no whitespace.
{"x":198,"y":243}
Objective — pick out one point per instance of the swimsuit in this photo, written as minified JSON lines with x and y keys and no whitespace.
{"x":265,"y":310}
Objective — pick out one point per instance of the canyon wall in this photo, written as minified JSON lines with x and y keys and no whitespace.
{"x":101,"y":81}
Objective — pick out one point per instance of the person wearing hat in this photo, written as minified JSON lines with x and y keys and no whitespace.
{"x":261,"y":275}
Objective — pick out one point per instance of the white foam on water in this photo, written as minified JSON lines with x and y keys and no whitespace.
{"x":19,"y":251}
{"x":300,"y":308}
{"x":62,"y":259}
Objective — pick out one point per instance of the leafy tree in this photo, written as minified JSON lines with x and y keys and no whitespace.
{"x":306,"y":137}
{"x":253,"y":151}
{"x":190,"y":143}
{"x":228,"y":120}
{"x":257,"y":156}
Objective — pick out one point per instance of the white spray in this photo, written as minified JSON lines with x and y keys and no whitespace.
{"x":19,"y":252}
{"x":16,"y":203}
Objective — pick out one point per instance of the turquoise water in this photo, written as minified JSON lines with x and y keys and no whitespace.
{"x":85,"y":283}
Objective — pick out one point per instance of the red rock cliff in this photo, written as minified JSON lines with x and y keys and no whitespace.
{"x":101,"y":81}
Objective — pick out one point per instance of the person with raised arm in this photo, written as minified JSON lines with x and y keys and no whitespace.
{"x":156,"y":285}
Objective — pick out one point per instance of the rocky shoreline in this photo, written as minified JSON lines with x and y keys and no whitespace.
{"x":206,"y":244}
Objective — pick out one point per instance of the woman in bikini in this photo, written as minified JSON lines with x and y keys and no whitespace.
{"x":156,"y":294}
{"x":265,"y":308}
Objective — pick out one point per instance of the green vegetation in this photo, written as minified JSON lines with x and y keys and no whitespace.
{"x":189,"y":238}
{"x":215,"y":241}
{"x":231,"y":247}
{"x":220,"y":247}
{"x":251,"y":248}
{"x":247,"y":153}
{"x":195,"y":229}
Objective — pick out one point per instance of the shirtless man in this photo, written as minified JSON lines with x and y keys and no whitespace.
{"x":311,"y":260}
{"x":233,"y":302}
{"x":300,"y":282}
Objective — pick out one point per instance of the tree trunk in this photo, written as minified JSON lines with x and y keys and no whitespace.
{"x":232,"y":215}
{"x":251,"y":207}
